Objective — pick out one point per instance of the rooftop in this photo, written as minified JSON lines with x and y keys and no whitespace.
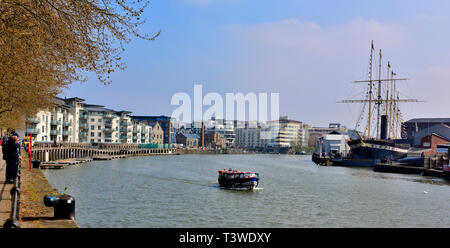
{"x":429,"y":120}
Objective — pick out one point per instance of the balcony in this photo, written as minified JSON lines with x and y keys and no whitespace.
{"x":84,"y":134}
{"x":110,"y":116}
{"x":66,"y":133}
{"x":55,"y":132}
{"x":33,"y":131}
{"x":67,"y":123}
{"x":124,"y":136}
{"x":84,"y":116}
{"x":107,"y":130}
{"x":33,"y":120}
{"x":125,"y":123}
{"x":55,"y":122}
{"x":124,"y":130}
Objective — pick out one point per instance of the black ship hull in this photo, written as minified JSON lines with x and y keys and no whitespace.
{"x":384,"y":150}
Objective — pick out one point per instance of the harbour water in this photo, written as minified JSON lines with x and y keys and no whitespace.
{"x":182,"y":191}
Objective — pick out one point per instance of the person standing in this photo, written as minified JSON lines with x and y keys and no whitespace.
{"x":11,"y":154}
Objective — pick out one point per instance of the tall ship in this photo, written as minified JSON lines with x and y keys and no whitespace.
{"x":380,"y":139}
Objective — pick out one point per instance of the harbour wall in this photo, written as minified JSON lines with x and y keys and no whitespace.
{"x":46,"y":153}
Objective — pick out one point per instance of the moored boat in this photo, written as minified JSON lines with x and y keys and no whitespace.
{"x":237,"y":179}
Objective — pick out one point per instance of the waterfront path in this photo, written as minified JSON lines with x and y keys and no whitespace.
{"x":5,"y":195}
{"x":33,"y":212}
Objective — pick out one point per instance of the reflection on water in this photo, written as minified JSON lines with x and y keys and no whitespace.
{"x":182,"y":191}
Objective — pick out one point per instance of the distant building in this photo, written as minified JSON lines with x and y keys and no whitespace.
{"x":215,"y":140}
{"x":315,"y":133}
{"x":413,"y":126}
{"x":334,"y":144}
{"x":188,"y":139}
{"x":441,"y":130}
{"x":248,"y":137}
{"x":283,"y":133}
{"x":157,"y":134}
{"x":166,"y":123}
{"x":432,"y":141}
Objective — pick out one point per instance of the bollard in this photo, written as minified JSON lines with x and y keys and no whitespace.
{"x":36,"y":163}
{"x":63,"y":205}
{"x":426,"y":162}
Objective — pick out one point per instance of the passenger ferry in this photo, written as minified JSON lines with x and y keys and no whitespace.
{"x":237,"y":179}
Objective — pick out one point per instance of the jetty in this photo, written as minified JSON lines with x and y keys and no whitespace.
{"x":432,"y":166}
{"x":46,"y":153}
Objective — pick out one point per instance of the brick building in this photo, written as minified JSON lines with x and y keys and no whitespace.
{"x":432,"y":141}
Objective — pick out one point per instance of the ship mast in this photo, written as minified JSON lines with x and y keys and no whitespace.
{"x":391,"y":104}
{"x":391,"y":117}
{"x":379,"y":98}
{"x":387,"y":99}
{"x":370,"y":88}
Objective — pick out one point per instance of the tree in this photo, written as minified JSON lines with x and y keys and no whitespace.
{"x":45,"y":45}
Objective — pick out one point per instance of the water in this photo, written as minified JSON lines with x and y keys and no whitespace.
{"x":182,"y":191}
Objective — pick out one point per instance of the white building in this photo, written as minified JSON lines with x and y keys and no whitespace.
{"x":333,"y":143}
{"x":72,"y":120}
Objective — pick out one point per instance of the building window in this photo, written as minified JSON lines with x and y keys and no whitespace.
{"x":92,"y":120}
{"x":92,"y":134}
{"x":99,"y":134}
{"x":99,"y":127}
{"x":92,"y":127}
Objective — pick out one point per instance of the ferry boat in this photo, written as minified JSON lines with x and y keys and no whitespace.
{"x":237,"y":179}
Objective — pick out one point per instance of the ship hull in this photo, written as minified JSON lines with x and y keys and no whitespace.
{"x":377,"y":150}
{"x":239,"y":184}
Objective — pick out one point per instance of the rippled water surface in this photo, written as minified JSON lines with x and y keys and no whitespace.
{"x":182,"y":191}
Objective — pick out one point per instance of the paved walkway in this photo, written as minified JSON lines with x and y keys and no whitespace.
{"x":5,"y":195}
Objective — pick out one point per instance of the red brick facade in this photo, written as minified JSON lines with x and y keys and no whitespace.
{"x":431,"y":141}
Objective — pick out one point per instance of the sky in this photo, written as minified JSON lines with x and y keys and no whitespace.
{"x":307,"y":51}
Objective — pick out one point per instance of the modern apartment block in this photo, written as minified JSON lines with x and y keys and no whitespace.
{"x":278,"y":133}
{"x":285,"y":132}
{"x":72,"y":120}
{"x":55,"y":124}
{"x":249,"y":137}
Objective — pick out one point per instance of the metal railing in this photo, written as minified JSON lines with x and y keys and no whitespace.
{"x":13,"y":221}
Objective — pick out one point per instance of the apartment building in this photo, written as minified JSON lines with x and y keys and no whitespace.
{"x":54,"y":124}
{"x":284,"y":132}
{"x":72,"y":120}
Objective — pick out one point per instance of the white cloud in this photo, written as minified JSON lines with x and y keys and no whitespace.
{"x":310,"y":65}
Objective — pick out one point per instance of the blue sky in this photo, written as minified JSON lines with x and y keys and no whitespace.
{"x":308,"y":51}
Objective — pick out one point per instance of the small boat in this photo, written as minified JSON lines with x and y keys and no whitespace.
{"x":237,"y":179}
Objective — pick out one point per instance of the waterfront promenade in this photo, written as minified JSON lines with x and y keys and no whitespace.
{"x":33,"y":212}
{"x":5,"y":196}
{"x":34,"y":184}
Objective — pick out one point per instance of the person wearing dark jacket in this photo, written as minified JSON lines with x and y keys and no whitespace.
{"x":11,"y":154}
